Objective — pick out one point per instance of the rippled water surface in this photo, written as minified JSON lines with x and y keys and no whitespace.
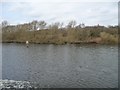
{"x":60,"y":66}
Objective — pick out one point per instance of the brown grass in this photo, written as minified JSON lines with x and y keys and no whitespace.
{"x":58,"y":36}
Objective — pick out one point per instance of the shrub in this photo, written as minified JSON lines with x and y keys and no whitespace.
{"x":108,"y":38}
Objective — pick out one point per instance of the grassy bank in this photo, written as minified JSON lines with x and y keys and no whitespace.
{"x":56,"y":34}
{"x":63,"y":36}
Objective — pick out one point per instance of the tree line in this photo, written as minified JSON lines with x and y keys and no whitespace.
{"x":58,"y":33}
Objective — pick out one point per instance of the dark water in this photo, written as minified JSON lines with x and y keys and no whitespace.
{"x":70,"y":66}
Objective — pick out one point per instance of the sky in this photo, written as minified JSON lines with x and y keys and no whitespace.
{"x":88,"y":12}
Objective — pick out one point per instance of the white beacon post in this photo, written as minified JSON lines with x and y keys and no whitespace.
{"x":27,"y":43}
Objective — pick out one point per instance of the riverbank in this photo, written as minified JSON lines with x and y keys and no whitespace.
{"x":75,"y":42}
{"x":86,"y":35}
{"x":96,"y":40}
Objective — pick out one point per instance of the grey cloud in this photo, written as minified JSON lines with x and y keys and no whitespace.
{"x":89,"y":12}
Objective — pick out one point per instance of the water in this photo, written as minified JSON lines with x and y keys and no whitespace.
{"x":61,"y":66}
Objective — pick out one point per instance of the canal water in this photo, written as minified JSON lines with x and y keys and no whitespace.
{"x":61,"y":66}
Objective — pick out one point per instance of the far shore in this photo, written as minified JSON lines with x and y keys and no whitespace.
{"x":64,"y":43}
{"x":55,"y":35}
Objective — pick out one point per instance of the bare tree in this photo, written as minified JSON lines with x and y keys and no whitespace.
{"x":42,"y":24}
{"x":61,"y":25}
{"x":4,"y":23}
{"x":71,"y":24}
{"x":54,"y":26}
{"x":33,"y":23}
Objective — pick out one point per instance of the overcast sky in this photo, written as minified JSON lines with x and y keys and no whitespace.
{"x":90,"y":13}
